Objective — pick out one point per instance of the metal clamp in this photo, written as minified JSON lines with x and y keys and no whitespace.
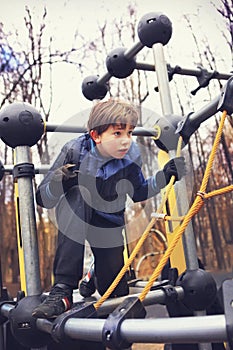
{"x":225,"y":101}
{"x":204,"y":79}
{"x":81,"y":310}
{"x":201,"y":194}
{"x":23,"y":170}
{"x":111,"y":335}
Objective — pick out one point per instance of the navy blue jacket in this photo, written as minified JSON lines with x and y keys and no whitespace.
{"x":108,"y":181}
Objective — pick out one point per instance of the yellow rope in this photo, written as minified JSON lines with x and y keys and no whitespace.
{"x":218,"y":192}
{"x":140,"y":241}
{"x":196,"y":206}
{"x":126,"y":266}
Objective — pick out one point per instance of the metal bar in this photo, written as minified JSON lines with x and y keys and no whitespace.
{"x":189,"y":244}
{"x":162,"y":77}
{"x":160,"y":330}
{"x":138,"y":131}
{"x":134,"y":50}
{"x":104,"y":79}
{"x":181,"y":191}
{"x":182,"y":71}
{"x":153,"y":297}
{"x":65,"y":128}
{"x":205,"y":112}
{"x":28,"y":225}
{"x":157,"y":296}
{"x":6,"y":308}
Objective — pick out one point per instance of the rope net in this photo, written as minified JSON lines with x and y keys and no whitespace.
{"x":178,"y":232}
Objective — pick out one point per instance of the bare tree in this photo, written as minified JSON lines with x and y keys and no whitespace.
{"x":23,"y":70}
{"x":225,"y":8}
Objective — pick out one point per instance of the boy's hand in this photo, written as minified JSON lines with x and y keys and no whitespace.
{"x":59,"y":180}
{"x":65,"y":173}
{"x":174,"y":167}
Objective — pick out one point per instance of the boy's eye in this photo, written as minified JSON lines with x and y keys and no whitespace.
{"x":130,"y":132}
{"x":117,"y":133}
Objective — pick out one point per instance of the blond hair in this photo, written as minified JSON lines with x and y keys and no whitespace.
{"x":112,"y":112}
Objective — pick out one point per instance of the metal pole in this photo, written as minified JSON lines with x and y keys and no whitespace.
{"x":134,"y":50}
{"x":152,"y":298}
{"x":138,"y":131}
{"x":163,"y":330}
{"x":28,"y":225}
{"x":181,"y":191}
{"x":182,"y":71}
{"x":205,"y":112}
{"x":188,"y":238}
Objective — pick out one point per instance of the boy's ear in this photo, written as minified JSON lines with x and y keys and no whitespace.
{"x":95,"y":136}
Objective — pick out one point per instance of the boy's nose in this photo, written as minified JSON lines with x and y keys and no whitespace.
{"x":124,"y":141}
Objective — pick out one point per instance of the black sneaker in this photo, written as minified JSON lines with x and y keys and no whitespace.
{"x":87,"y":285}
{"x":58,"y":301}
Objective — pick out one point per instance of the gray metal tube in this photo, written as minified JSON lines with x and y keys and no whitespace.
{"x":181,"y":190}
{"x":138,"y":131}
{"x":134,"y":50}
{"x":178,"y":330}
{"x":161,"y":330}
{"x":28,"y":225}
{"x":188,"y":238}
{"x":104,"y":79}
{"x":183,"y":71}
{"x":162,"y":77}
{"x":205,"y":112}
{"x":153,"y":297}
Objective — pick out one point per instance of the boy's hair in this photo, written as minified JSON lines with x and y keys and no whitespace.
{"x":111,"y":112}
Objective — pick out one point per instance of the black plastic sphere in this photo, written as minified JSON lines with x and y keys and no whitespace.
{"x":118,"y":65}
{"x":23,"y":324}
{"x":20,"y":125}
{"x":168,"y":138}
{"x":154,"y":27}
{"x":92,"y":90}
{"x":199,"y":289}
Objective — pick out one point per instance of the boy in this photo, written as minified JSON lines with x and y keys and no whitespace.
{"x":88,"y":184}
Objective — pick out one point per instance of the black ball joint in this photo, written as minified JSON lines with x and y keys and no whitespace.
{"x":200,"y":289}
{"x":118,"y":65}
{"x":20,"y":125}
{"x":92,"y":89}
{"x":154,"y":28}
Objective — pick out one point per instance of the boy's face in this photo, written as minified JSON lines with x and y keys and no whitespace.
{"x":114,"y":142}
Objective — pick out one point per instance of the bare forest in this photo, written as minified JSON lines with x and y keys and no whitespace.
{"x":22,"y":74}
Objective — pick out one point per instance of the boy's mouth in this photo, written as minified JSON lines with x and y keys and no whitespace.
{"x":123,"y":150}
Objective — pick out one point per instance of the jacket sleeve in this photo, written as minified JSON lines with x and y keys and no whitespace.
{"x":44,"y":197}
{"x":142,"y":188}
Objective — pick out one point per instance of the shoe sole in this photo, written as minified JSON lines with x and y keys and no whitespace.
{"x":38,"y":314}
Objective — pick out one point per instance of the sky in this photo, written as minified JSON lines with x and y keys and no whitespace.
{"x":65,"y":17}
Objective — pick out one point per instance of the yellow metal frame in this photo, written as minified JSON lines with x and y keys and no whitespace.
{"x":177,"y":258}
